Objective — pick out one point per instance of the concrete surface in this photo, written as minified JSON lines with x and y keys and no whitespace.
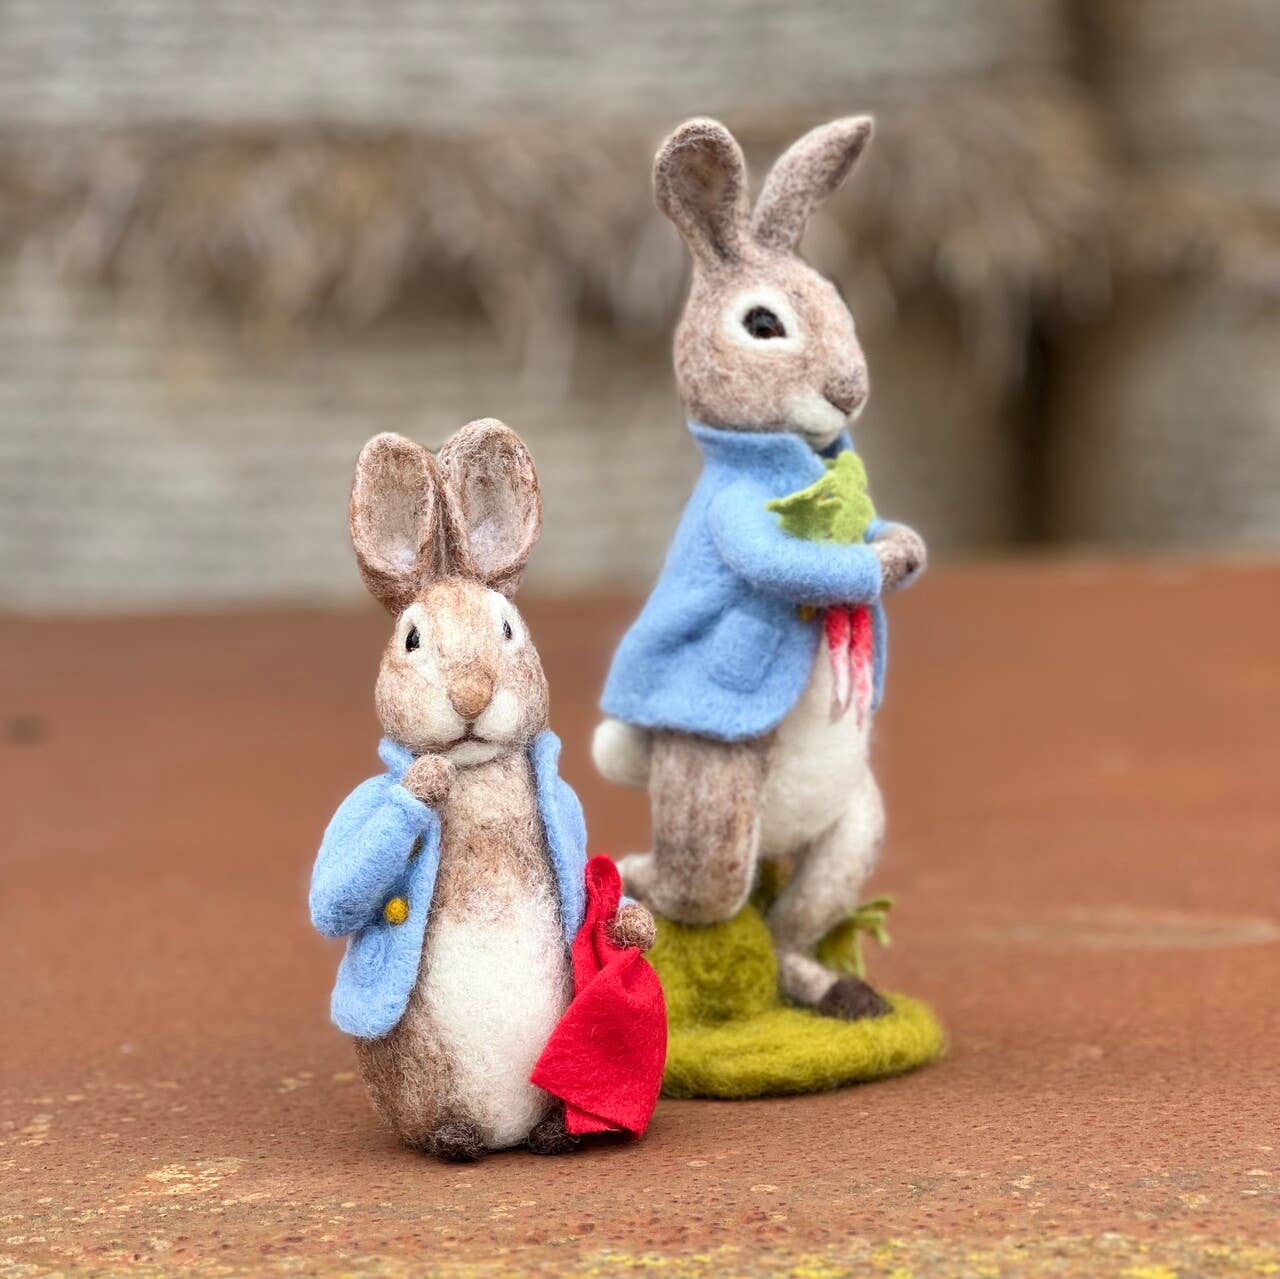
{"x":1080,"y":764}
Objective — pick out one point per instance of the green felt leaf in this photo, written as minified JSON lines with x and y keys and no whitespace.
{"x":841,"y":948}
{"x":835,"y":508}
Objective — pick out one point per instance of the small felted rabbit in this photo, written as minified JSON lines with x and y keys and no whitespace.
{"x":742,"y":694}
{"x":458,"y":874}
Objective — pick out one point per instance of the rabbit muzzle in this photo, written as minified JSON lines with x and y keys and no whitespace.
{"x":471,"y":694}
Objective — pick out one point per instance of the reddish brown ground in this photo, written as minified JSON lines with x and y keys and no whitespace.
{"x":1081,"y":767}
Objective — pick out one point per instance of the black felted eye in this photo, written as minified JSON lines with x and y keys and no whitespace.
{"x":760,"y":322}
{"x":412,"y":640}
{"x":506,"y":629}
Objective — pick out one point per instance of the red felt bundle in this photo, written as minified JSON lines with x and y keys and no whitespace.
{"x":605,"y":1057}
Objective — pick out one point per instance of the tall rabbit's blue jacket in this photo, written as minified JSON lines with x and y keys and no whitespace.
{"x":725,"y":643}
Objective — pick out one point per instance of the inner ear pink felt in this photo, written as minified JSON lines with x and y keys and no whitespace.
{"x":393,"y":517}
{"x":494,"y":502}
{"x":700,"y":183}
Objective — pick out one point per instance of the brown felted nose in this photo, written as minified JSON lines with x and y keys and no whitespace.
{"x":471,"y":694}
{"x":845,"y":393}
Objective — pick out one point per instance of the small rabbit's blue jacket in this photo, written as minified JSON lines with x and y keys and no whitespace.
{"x":383,"y":843}
{"x":721,"y":648}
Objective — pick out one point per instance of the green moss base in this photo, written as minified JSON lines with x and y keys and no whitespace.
{"x":732,"y":1036}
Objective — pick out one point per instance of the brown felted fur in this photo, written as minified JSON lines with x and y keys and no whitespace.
{"x":851,"y":999}
{"x":393,"y":516}
{"x":700,"y":181}
{"x":498,"y":502}
{"x":717,"y":804}
{"x":461,"y":687}
{"x":633,"y":926}
{"x":552,"y":1136}
{"x":473,"y":665}
{"x":706,"y":827}
{"x":805,"y":175}
{"x":902,"y":555}
{"x":430,"y":779}
{"x":457,"y":1141}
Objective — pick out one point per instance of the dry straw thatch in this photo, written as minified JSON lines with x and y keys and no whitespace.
{"x":369,"y":272}
{"x":992,"y":196}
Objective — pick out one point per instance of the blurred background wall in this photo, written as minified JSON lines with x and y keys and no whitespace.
{"x":237,"y":238}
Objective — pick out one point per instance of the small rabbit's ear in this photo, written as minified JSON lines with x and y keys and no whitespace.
{"x":700,"y":183}
{"x":393,"y":518}
{"x":493,"y":506}
{"x":804,"y":176}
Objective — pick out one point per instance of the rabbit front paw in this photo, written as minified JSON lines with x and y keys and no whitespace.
{"x":902,"y":555}
{"x":633,"y":926}
{"x":430,"y":779}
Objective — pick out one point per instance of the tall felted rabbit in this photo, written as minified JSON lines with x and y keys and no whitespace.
{"x":458,"y":874}
{"x":729,"y":697}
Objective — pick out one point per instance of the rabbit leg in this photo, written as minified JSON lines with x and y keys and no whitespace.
{"x":826,"y":885}
{"x":705,"y":796}
{"x":637,"y":871}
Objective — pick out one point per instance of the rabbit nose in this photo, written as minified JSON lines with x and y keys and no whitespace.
{"x":845,"y":393}
{"x":471,"y":694}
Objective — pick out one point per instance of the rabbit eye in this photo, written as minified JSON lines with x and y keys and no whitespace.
{"x":506,"y":629}
{"x":412,"y":640}
{"x":762,"y":323}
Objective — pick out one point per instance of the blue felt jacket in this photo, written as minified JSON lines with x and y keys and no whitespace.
{"x":721,"y":647}
{"x":384,"y":843}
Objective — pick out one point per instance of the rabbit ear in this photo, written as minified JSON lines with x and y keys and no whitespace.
{"x":804,"y":176}
{"x":393,"y":518}
{"x":700,"y":182}
{"x":493,"y":506}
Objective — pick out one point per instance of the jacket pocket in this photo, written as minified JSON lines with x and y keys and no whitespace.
{"x":743,"y":644}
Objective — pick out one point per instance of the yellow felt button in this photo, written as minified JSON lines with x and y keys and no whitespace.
{"x":806,"y":612}
{"x":396,"y":911}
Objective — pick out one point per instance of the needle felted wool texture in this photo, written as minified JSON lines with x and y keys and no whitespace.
{"x":837,"y":508}
{"x":458,"y":875}
{"x":731,"y":1035}
{"x":723,"y":698}
{"x":719,"y":649}
{"x":605,"y":1057}
{"x":384,"y":844}
{"x":834,"y":508}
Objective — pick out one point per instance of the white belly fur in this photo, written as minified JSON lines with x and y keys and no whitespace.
{"x":817,"y":766}
{"x":496,"y":981}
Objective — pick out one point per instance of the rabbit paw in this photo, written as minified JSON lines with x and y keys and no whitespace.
{"x":633,"y":926}
{"x":852,"y":999}
{"x":902,"y":555}
{"x":551,"y":1136}
{"x":430,"y":779}
{"x":457,"y":1142}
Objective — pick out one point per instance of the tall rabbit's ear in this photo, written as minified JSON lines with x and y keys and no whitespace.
{"x":700,"y":183}
{"x":394,"y":500}
{"x":804,"y":176}
{"x":493,"y":506}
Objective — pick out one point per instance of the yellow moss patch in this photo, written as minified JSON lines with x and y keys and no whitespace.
{"x":732,"y":1036}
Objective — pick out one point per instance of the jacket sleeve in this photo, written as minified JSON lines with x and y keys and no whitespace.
{"x":364,"y":854}
{"x":751,"y":543}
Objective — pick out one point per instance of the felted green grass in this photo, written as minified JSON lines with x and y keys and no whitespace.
{"x":731,"y":1035}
